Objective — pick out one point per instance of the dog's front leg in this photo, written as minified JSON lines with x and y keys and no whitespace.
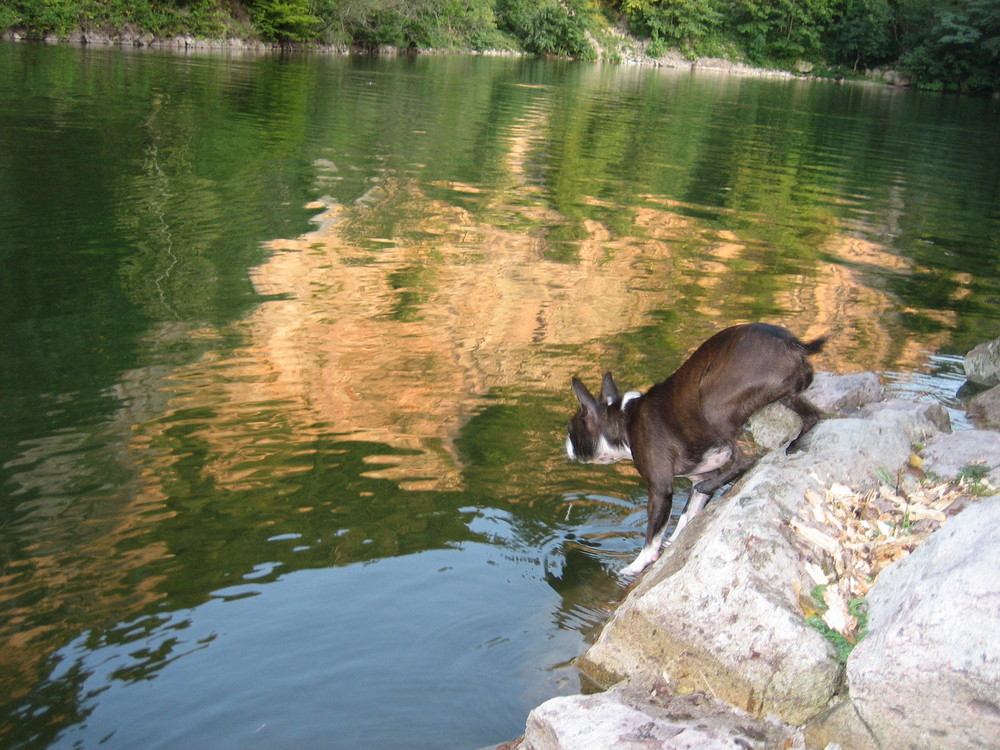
{"x":657,"y":515}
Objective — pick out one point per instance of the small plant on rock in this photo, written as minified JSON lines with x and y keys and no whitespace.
{"x":975,"y":474}
{"x":844,"y":629}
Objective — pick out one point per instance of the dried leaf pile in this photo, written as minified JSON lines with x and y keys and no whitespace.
{"x":860,"y":533}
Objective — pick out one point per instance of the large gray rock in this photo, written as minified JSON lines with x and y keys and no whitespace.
{"x":643,"y":718}
{"x":720,"y":610}
{"x":840,"y":726}
{"x":982,"y":364}
{"x":857,"y":451}
{"x":838,"y":394}
{"x":930,"y":417}
{"x":776,"y":425}
{"x":949,"y":456}
{"x":928,"y":673}
{"x":984,"y":409}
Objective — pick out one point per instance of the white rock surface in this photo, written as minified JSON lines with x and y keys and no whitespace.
{"x":948,"y":456}
{"x":982,"y":364}
{"x":927,"y":675}
{"x":721,"y":609}
{"x":633,"y":718}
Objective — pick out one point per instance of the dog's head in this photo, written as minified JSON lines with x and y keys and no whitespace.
{"x":597,"y":432}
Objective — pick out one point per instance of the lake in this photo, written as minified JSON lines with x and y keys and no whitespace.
{"x":287,"y":344}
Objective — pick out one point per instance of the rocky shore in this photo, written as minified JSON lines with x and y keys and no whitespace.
{"x":845,"y":596}
{"x":624,"y":50}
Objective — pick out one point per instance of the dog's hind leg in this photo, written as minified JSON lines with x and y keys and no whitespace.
{"x":695,"y":504}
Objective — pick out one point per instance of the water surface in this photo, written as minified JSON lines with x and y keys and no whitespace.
{"x":286,"y":347}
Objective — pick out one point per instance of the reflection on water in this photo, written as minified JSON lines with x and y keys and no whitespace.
{"x":284,"y":388}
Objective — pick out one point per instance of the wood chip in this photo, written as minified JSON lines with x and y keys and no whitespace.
{"x":861,"y":532}
{"x":837,"y":616}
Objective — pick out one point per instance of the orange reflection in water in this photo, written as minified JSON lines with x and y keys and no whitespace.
{"x":861,"y":320}
{"x":398,"y":345}
{"x":488,"y":310}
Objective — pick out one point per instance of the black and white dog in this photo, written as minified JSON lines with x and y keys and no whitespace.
{"x":688,"y":425}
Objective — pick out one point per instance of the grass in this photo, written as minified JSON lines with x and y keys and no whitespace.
{"x":842,"y":645}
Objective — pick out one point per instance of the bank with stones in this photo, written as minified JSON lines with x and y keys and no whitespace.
{"x":731,"y":639}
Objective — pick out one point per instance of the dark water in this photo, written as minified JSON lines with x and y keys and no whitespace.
{"x":286,"y":346}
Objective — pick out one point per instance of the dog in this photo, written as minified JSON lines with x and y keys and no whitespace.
{"x":688,"y":425}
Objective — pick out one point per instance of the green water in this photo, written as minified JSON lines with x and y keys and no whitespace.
{"x":286,"y":345}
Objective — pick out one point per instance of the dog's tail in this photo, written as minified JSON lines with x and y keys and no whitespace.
{"x":812,"y":347}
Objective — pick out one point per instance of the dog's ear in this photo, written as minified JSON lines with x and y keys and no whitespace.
{"x":587,"y":401}
{"x":609,"y":391}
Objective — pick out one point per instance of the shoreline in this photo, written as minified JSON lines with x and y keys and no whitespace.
{"x":630,"y":52}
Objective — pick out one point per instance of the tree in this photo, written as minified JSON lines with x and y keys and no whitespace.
{"x":782,"y":29}
{"x":678,"y":23}
{"x":955,"y":46}
{"x":408,"y":23}
{"x":862,"y":34}
{"x":547,"y":28}
{"x":283,"y":20}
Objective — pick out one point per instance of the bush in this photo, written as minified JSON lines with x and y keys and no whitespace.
{"x":60,"y":17}
{"x":953,"y":47}
{"x":283,"y":20}
{"x":43,"y":17}
{"x":683,"y":24}
{"x":410,"y":23}
{"x":547,"y":28}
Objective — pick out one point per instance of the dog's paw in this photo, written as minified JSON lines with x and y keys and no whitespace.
{"x":643,"y":561}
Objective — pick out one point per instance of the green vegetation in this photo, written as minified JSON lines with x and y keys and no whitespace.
{"x":954,"y":45}
{"x":975,"y":474}
{"x":550,"y":27}
{"x":204,"y":18}
{"x":842,"y":645}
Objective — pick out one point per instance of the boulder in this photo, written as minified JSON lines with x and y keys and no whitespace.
{"x":984,"y":409}
{"x":982,"y":364}
{"x":927,"y":675}
{"x":650,"y":717}
{"x":776,"y":425}
{"x":721,"y":611}
{"x":858,"y":451}
{"x":931,"y":417}
{"x":950,"y":456}
{"x":839,"y":394}
{"x":840,"y":726}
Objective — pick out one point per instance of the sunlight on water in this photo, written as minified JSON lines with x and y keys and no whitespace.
{"x":942,"y":380}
